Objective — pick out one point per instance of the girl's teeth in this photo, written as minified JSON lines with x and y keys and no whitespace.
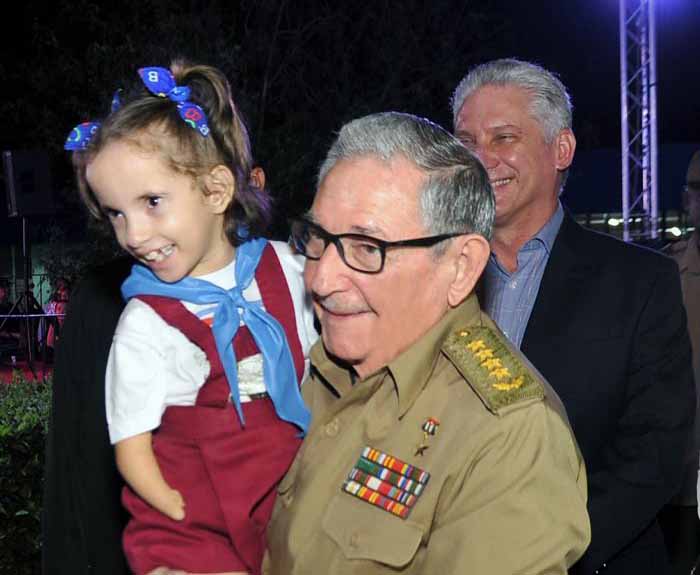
{"x":159,"y":255}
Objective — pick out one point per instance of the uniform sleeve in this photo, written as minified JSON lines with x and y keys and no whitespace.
{"x":518,"y":505}
{"x":644,"y":463}
{"x":135,"y":386}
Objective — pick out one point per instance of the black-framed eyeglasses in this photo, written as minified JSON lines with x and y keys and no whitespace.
{"x":359,"y":252}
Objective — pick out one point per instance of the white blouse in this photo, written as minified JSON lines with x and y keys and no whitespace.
{"x":152,"y":365}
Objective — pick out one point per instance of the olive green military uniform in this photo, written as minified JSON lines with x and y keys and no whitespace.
{"x":452,"y":459}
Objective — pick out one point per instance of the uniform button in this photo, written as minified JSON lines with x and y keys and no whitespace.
{"x":288,"y":499}
{"x":354,"y":540}
{"x":332,"y":427}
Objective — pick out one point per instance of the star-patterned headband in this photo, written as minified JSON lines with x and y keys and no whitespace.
{"x":159,"y":82}
{"x":80,"y":136}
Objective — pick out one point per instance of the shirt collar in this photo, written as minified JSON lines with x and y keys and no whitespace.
{"x":548,"y":232}
{"x":544,"y":237}
{"x":411,"y":370}
{"x":339,"y":377}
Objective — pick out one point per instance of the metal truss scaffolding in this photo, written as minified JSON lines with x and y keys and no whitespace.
{"x":638,"y":111}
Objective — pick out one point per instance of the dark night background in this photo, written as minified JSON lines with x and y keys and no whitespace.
{"x":300,"y":69}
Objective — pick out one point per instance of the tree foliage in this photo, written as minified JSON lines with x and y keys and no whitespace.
{"x":299,"y":68}
{"x":24,"y":420}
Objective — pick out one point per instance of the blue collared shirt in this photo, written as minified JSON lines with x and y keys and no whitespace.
{"x":510,"y":297}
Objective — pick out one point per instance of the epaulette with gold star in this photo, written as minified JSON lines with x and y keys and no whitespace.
{"x":498,"y":376}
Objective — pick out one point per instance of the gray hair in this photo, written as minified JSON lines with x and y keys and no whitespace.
{"x":550,"y":103}
{"x":456,"y":195}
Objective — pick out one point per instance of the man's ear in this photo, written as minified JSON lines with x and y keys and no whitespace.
{"x":472,"y":253}
{"x":257,"y":178}
{"x":565,"y":148}
{"x":221,"y":186}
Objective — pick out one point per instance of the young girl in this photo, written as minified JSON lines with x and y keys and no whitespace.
{"x":202,"y":383}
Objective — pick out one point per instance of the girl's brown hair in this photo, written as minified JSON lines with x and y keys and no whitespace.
{"x":153,"y":123}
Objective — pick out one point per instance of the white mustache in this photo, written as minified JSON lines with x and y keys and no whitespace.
{"x":335,"y":304}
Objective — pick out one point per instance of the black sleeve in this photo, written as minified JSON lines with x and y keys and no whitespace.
{"x":644,"y":463}
{"x":82,"y":516}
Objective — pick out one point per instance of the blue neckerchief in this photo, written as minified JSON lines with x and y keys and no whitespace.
{"x":278,"y":366}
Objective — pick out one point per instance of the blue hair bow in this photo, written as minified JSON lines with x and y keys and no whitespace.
{"x":80,"y":136}
{"x":160,"y":82}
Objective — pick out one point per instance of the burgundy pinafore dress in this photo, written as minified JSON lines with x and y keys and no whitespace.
{"x":226,"y":473}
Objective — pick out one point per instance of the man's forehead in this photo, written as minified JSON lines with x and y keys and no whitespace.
{"x":369,"y":195}
{"x":495,"y":106}
{"x":367,"y":176}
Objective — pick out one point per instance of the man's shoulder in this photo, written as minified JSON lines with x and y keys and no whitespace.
{"x":612,"y":251}
{"x":100,"y":287}
{"x":497,"y":372}
{"x":106,"y":276}
{"x":676,"y":249}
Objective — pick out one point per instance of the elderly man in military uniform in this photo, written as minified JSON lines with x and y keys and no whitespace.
{"x":434,"y":446}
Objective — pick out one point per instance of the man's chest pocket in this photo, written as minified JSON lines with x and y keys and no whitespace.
{"x":363,"y":531}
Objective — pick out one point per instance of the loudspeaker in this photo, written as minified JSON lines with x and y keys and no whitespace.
{"x":28,"y":183}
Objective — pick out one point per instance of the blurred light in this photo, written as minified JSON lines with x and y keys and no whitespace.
{"x":675,"y":231}
{"x":614,"y":222}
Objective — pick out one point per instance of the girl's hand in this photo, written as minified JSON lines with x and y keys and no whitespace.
{"x":173,"y":505}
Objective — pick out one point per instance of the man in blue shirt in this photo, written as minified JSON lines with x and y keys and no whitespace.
{"x":602,"y":320}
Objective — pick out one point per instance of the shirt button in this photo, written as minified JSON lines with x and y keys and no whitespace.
{"x":288,"y":499}
{"x":354,"y":540}
{"x":332,"y":427}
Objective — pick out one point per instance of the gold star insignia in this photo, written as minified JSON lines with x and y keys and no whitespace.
{"x":476,"y":345}
{"x":492,"y":364}
{"x":500,"y":373}
{"x":484,"y":354}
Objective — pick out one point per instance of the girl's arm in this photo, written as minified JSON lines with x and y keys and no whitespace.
{"x":137,"y":464}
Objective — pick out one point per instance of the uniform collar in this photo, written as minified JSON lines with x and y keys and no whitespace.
{"x":339,"y":377}
{"x":411,"y":370}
